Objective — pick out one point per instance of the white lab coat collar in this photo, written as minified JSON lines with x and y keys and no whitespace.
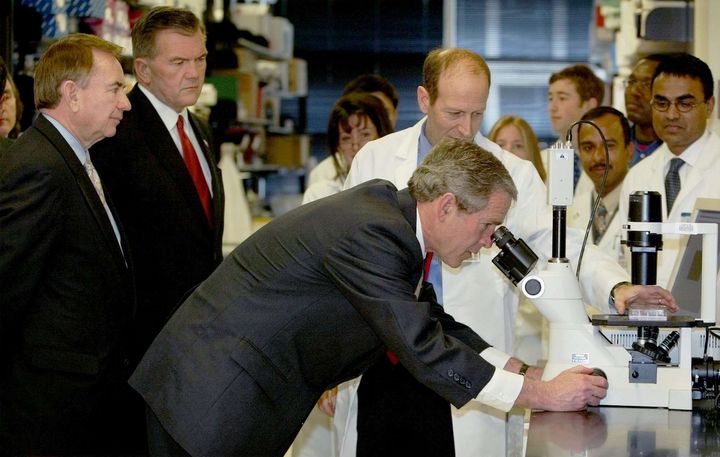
{"x":611,"y":200}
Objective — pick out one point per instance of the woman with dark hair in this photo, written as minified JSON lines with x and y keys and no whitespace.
{"x":355,"y":119}
{"x":10,"y":109}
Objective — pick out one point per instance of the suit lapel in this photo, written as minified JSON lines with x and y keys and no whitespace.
{"x":408,"y":206}
{"x":218,"y":196}
{"x":86,"y":187}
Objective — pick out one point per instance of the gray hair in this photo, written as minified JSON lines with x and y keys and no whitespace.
{"x":464,"y":169}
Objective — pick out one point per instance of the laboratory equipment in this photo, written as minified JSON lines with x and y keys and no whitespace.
{"x":645,"y":374}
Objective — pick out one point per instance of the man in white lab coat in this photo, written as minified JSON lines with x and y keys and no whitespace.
{"x":682,"y":101}
{"x":453,"y":96}
{"x":605,"y":232}
{"x":572,"y":92}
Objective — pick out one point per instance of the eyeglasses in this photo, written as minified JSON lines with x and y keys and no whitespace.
{"x":683,"y":106}
{"x":644,"y":84}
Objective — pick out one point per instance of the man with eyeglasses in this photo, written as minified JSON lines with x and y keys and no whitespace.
{"x":687,"y":165}
{"x":637,"y":107}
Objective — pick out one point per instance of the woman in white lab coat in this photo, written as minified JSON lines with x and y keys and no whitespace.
{"x":355,"y":119}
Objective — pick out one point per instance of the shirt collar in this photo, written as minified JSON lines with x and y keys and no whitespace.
{"x":71,"y":140}
{"x":168,"y":115}
{"x":691,"y":155}
{"x":424,"y":145}
{"x":419,"y":232}
{"x":611,"y":200}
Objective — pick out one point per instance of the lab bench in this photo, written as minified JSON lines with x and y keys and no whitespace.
{"x":619,"y":431}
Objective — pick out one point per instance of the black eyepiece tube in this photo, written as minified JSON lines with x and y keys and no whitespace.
{"x":558,"y":241}
{"x":515,"y":258}
{"x":644,"y":206}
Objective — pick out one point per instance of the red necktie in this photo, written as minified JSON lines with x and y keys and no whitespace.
{"x":426,"y":266}
{"x":193,"y":165}
{"x":426,"y":270}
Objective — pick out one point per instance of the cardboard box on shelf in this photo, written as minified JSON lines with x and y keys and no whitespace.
{"x":249,"y":95}
{"x":297,"y":78}
{"x":291,"y":151}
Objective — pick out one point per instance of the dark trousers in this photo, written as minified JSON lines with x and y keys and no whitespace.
{"x":49,"y":412}
{"x":160,"y":443}
{"x":397,"y":415}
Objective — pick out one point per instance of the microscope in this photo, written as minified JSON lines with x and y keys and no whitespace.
{"x":644,"y":375}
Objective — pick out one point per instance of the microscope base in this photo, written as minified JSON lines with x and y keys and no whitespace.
{"x":573,"y":344}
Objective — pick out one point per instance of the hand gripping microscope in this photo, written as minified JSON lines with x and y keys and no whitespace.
{"x":644,"y":375}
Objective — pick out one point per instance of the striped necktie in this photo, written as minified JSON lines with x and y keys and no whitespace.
{"x":672,"y":182}
{"x":600,"y":223}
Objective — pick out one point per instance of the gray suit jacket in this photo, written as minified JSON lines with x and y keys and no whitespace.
{"x":312,"y":299}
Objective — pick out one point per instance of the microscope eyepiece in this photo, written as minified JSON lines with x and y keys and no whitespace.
{"x":515,"y":258}
{"x":501,"y":236}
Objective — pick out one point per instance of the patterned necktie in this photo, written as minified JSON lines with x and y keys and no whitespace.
{"x":601,"y":222}
{"x":95,"y":179}
{"x":672,"y":182}
{"x":193,"y":165}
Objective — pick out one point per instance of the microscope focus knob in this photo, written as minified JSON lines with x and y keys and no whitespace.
{"x":599,"y":372}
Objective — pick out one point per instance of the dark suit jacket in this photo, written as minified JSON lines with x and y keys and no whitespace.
{"x":310,"y":300}
{"x":65,"y":304}
{"x":5,"y":144}
{"x":172,"y":245}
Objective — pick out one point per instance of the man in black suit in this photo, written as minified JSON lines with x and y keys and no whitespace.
{"x":67,"y":295}
{"x":318,"y":295}
{"x":169,"y":196}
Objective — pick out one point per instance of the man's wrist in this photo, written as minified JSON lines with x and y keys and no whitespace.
{"x":611,"y":300}
{"x":523,"y":369}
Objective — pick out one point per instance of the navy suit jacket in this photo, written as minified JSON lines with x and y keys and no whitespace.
{"x":172,"y":244}
{"x":66,"y":300}
{"x":310,"y":300}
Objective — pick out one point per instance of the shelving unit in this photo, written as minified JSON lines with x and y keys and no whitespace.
{"x":274,"y":148}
